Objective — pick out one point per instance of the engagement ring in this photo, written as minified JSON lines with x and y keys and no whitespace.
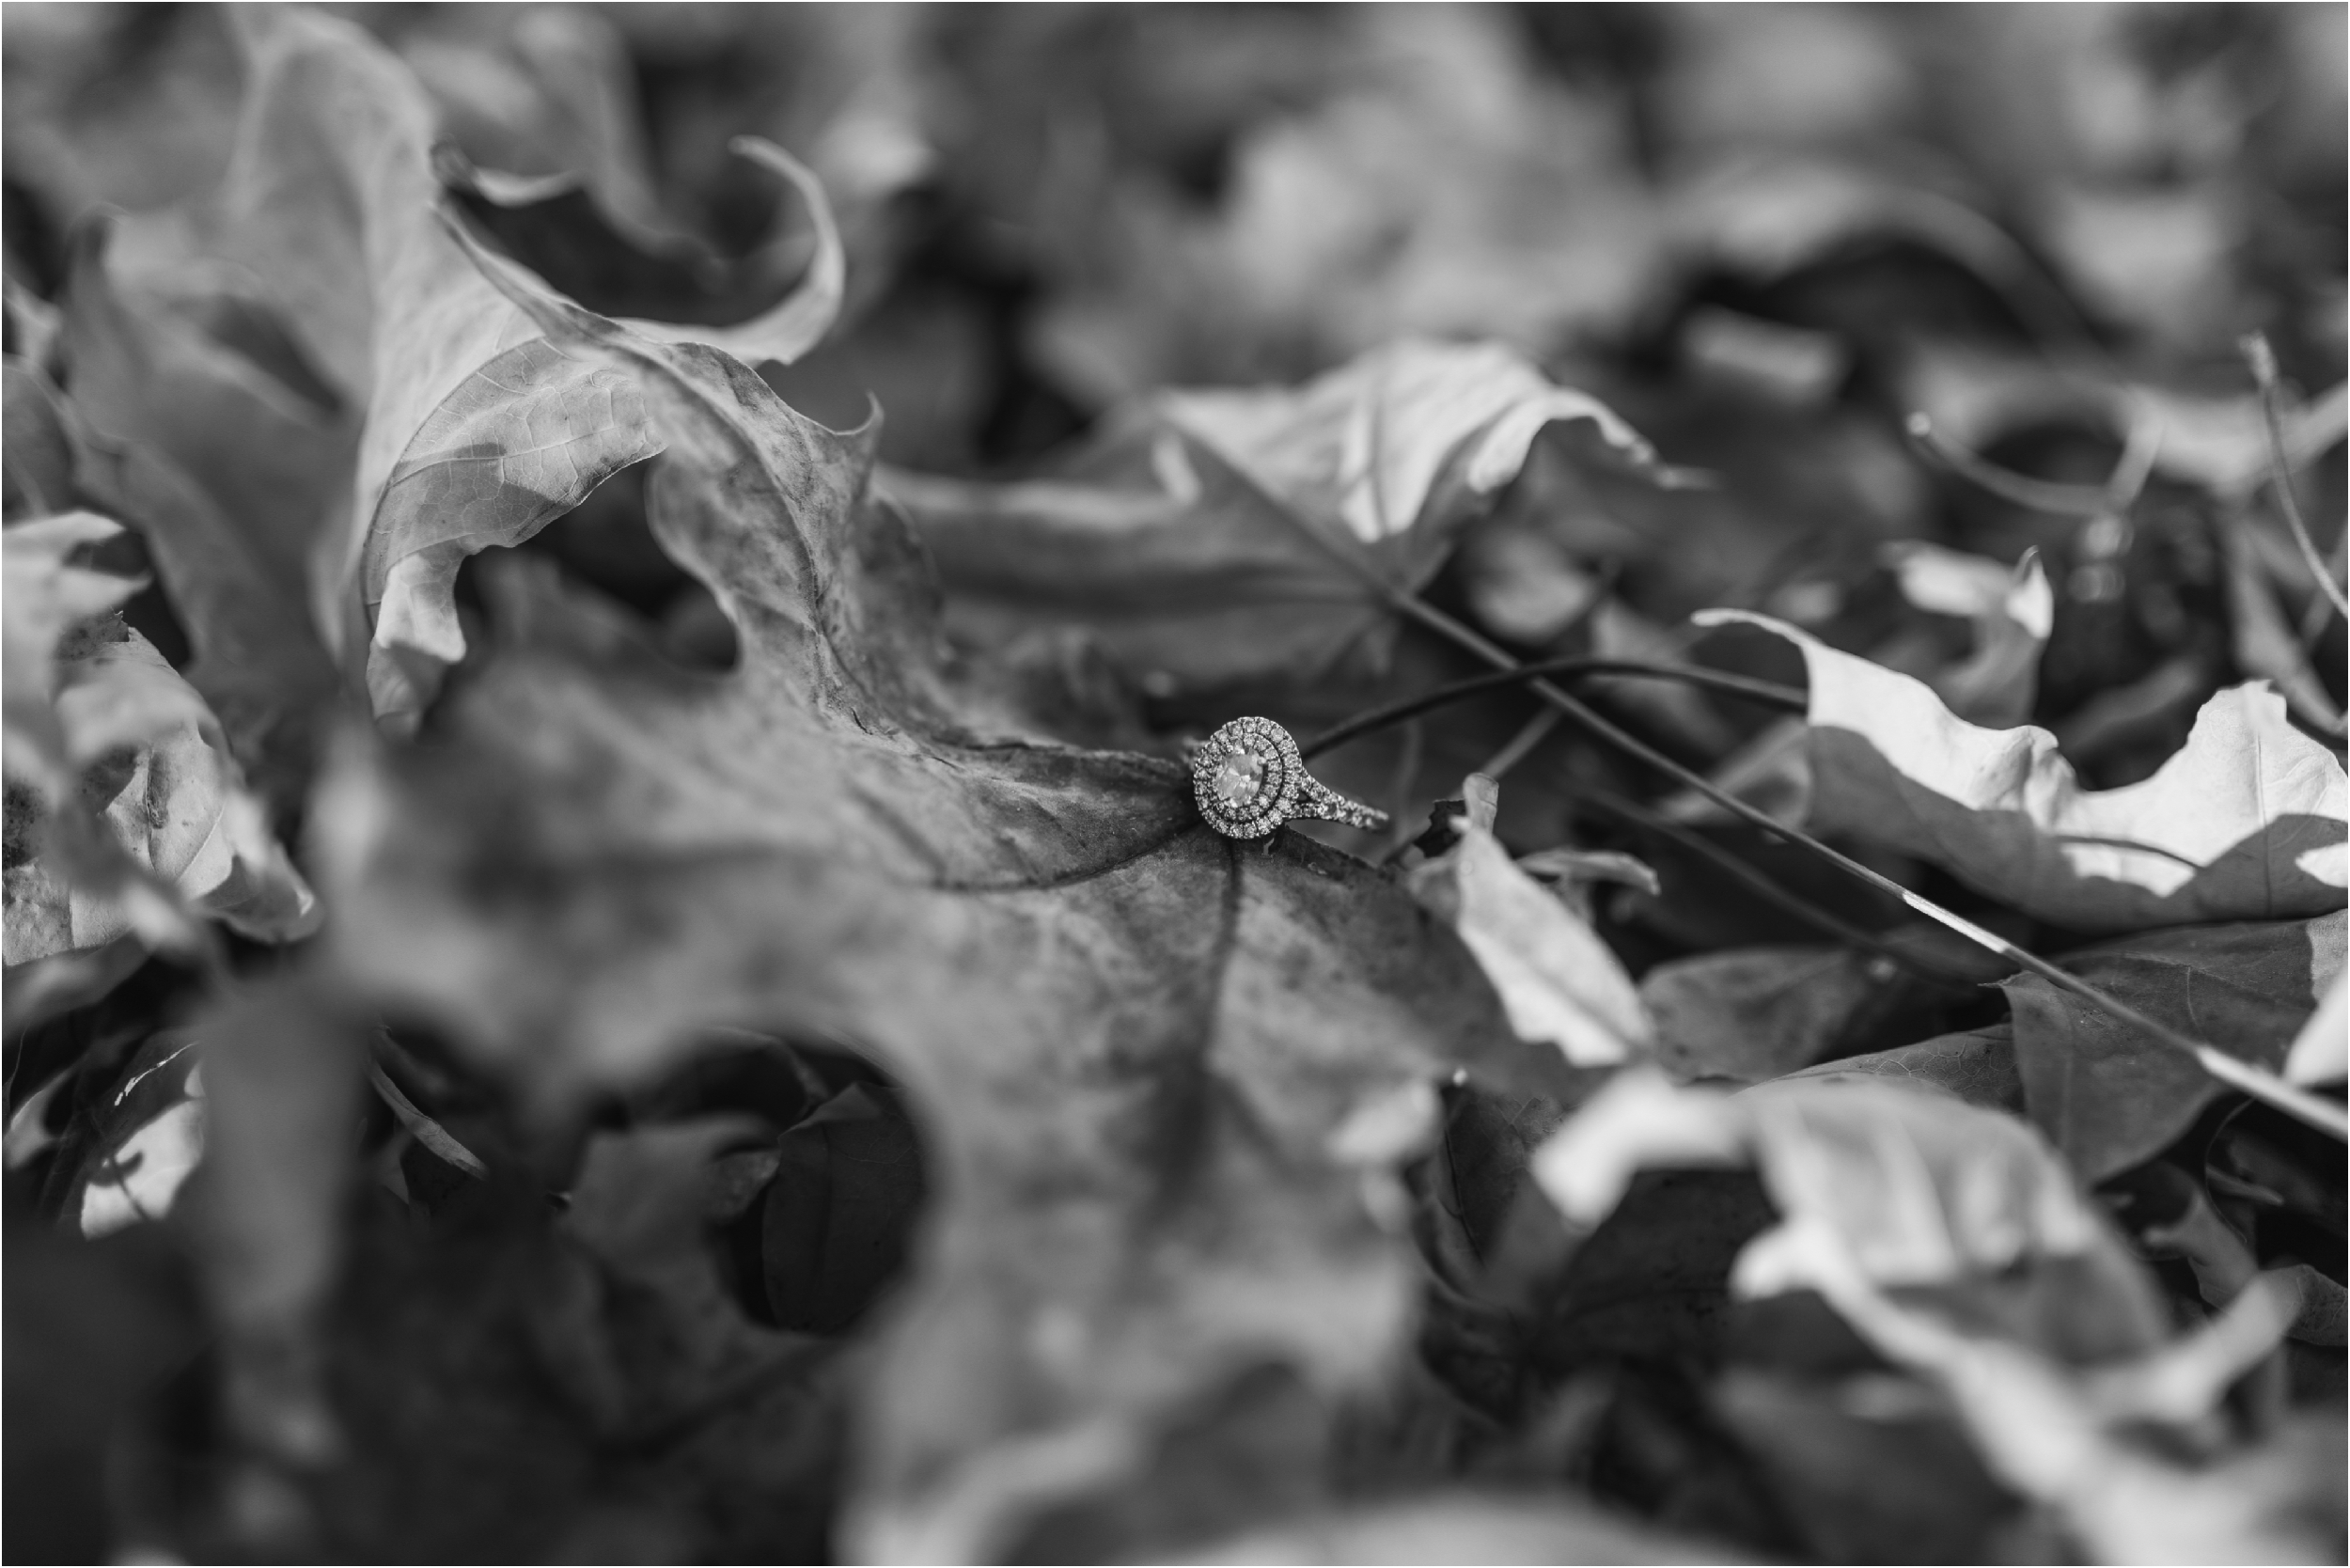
{"x":1248,"y":780}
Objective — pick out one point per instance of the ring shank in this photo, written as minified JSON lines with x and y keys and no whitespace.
{"x":1322,"y":804}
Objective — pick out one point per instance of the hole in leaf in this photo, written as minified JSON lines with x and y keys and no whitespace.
{"x":817,"y":1214}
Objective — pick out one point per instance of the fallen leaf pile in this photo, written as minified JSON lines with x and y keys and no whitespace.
{"x":609,"y":951}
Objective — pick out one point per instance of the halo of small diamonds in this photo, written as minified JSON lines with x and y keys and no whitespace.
{"x":1247,"y":777}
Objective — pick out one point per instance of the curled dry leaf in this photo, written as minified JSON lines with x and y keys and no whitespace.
{"x":1923,"y":1221}
{"x":234,"y":469}
{"x":2061,"y":1437}
{"x":1917,"y":1188}
{"x":2013,"y":612}
{"x":1197,"y":538}
{"x":557,"y":217}
{"x":544,"y":99}
{"x":476,"y":431}
{"x":1130,"y":1039}
{"x":102,"y":730}
{"x":1557,"y":982}
{"x":2246,"y":822}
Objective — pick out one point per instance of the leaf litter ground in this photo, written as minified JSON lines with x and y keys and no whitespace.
{"x":713,"y":1030}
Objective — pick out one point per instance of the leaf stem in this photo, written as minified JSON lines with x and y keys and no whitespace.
{"x":2262,"y":360}
{"x":2063,"y":500}
{"x":1787,"y":898}
{"x":1768,"y":693}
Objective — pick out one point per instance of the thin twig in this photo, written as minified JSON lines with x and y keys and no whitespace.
{"x":1786,"y":898}
{"x":2321,"y":609}
{"x":2061,"y":500}
{"x":1518,"y":747}
{"x":2321,"y":1114}
{"x":2264,"y":362}
{"x":1769,"y":692}
{"x":1531,"y":734}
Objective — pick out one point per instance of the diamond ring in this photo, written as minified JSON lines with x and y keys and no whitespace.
{"x":1248,"y":780}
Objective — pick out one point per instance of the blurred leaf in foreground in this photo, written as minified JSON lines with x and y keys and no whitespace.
{"x":1958,"y":1246}
{"x":203,"y":423}
{"x":100,"y":729}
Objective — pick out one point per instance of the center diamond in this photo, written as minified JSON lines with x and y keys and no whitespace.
{"x":1238,"y":778}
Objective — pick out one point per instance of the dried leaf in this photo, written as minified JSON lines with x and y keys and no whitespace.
{"x":477,"y":433}
{"x":2055,"y":1435}
{"x":139,"y":1168}
{"x":1873,"y":1467}
{"x":1916,"y":1189}
{"x":1197,"y":538}
{"x":556,"y":219}
{"x":1556,"y":980}
{"x":1976,"y":1065}
{"x":1087,"y":992}
{"x":2320,"y":1054}
{"x":2012,"y":611}
{"x":98,"y":723}
{"x":2109,"y":1097}
{"x":49,"y":593}
{"x":1750,"y":1014}
{"x":1465,"y":1527}
{"x":545,"y":97}
{"x":36,"y":457}
{"x":2247,"y":821}
{"x":235,"y":475}
{"x":836,"y":1220}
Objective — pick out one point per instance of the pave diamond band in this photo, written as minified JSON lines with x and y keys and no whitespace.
{"x":1249,"y":779}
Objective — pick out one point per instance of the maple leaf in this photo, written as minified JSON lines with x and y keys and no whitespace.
{"x":2111,"y":1098}
{"x":2246,"y":822}
{"x":1205,"y":539}
{"x":1134,"y":1041}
